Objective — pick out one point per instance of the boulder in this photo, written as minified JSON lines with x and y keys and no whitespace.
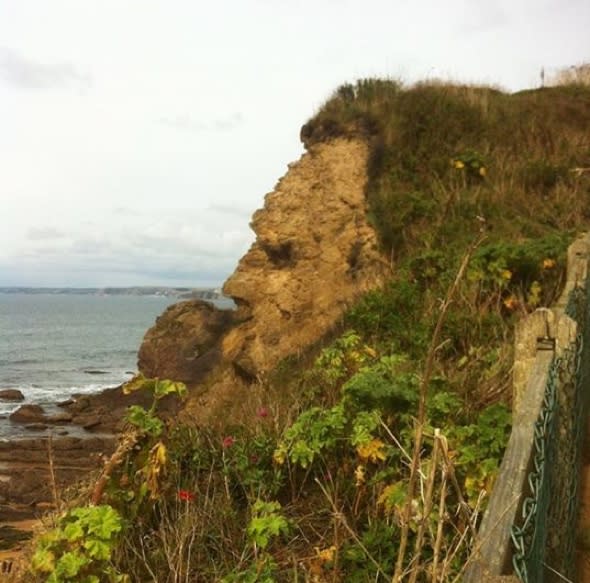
{"x":28,"y":414}
{"x":184,"y":343}
{"x":11,"y":395}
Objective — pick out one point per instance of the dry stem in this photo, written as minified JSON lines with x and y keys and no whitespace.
{"x":425,"y":383}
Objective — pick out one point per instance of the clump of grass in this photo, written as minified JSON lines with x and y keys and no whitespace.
{"x":423,"y":190}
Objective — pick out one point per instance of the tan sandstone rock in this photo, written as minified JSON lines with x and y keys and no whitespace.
{"x":314,"y":254}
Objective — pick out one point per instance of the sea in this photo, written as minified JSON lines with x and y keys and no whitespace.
{"x":53,"y":346}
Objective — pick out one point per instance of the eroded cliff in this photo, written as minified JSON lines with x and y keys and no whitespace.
{"x":315,"y":253}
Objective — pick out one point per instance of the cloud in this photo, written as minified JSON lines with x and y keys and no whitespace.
{"x":44,"y":233}
{"x":188,"y":123}
{"x":174,"y":249}
{"x":24,"y":73}
{"x":234,"y":211}
{"x":477,"y":21}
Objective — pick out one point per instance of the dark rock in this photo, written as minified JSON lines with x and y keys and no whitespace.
{"x":11,"y":395}
{"x":183,"y":344}
{"x":11,"y":536}
{"x":80,"y":404}
{"x":28,"y":414}
{"x":36,"y":426}
{"x":92,"y":422}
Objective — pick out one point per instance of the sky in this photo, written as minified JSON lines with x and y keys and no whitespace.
{"x":137,"y":137}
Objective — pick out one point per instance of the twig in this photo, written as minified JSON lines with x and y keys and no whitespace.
{"x":424,"y":384}
{"x":344,"y":522}
{"x":463,"y":506}
{"x":56,"y":500}
{"x":396,"y":441}
{"x":480,"y":543}
{"x":427,"y":509}
{"x":441,"y":521}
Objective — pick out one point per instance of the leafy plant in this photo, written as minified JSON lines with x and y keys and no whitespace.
{"x":80,"y":547}
{"x":266,"y":523}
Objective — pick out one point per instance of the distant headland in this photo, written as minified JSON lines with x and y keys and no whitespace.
{"x":205,"y":293}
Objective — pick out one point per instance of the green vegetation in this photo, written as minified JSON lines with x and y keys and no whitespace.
{"x":318,"y":485}
{"x":80,"y":546}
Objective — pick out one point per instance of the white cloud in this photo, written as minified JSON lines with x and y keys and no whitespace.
{"x":186,"y":122}
{"x":25,"y":73}
{"x":194,"y":113}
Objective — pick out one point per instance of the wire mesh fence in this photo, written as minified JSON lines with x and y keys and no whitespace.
{"x":544,"y":538}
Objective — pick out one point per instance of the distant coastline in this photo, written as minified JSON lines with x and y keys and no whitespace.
{"x":205,"y":293}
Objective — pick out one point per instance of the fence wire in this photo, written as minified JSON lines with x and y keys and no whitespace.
{"x":544,"y":538}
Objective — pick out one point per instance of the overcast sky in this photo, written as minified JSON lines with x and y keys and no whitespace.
{"x":138,"y":136}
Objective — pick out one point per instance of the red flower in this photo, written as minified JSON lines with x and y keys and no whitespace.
{"x":262,"y":412}
{"x":185,"y":495}
{"x":228,"y":441}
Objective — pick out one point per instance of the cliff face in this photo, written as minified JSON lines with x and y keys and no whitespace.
{"x":314,"y":254}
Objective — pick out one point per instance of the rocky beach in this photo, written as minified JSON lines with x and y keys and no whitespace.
{"x":63,"y":447}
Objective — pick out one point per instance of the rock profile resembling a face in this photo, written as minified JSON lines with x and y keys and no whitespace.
{"x":314,"y":255}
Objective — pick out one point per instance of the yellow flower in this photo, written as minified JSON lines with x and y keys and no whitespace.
{"x":482,"y":171}
{"x":359,"y":476}
{"x":279,"y":457}
{"x":372,"y":451}
{"x":506,"y":274}
{"x":511,"y":302}
{"x":458,"y":164}
{"x":326,"y":555}
{"x":548,"y":263}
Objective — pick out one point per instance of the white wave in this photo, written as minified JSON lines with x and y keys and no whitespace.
{"x":53,"y":395}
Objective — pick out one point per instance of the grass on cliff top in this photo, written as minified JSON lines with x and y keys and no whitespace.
{"x":442,"y":155}
{"x":314,"y":485}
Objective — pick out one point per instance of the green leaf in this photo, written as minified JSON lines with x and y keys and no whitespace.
{"x":104,"y":522}
{"x":97,"y":549}
{"x":137,"y":383}
{"x":43,"y":561}
{"x":73,"y":531}
{"x":145,"y":420}
{"x":165,"y":387}
{"x":70,"y":564}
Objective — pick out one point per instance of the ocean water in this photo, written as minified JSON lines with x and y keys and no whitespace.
{"x":53,"y":346}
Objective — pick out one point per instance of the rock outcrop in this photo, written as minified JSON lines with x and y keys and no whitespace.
{"x":315,"y":253}
{"x":11,"y":395}
{"x":28,"y":414}
{"x":183,"y":344}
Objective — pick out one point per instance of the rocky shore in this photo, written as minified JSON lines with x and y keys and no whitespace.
{"x":63,"y":448}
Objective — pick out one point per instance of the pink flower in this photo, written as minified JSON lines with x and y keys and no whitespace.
{"x":228,"y":441}
{"x":185,"y":495}
{"x":262,"y":412}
